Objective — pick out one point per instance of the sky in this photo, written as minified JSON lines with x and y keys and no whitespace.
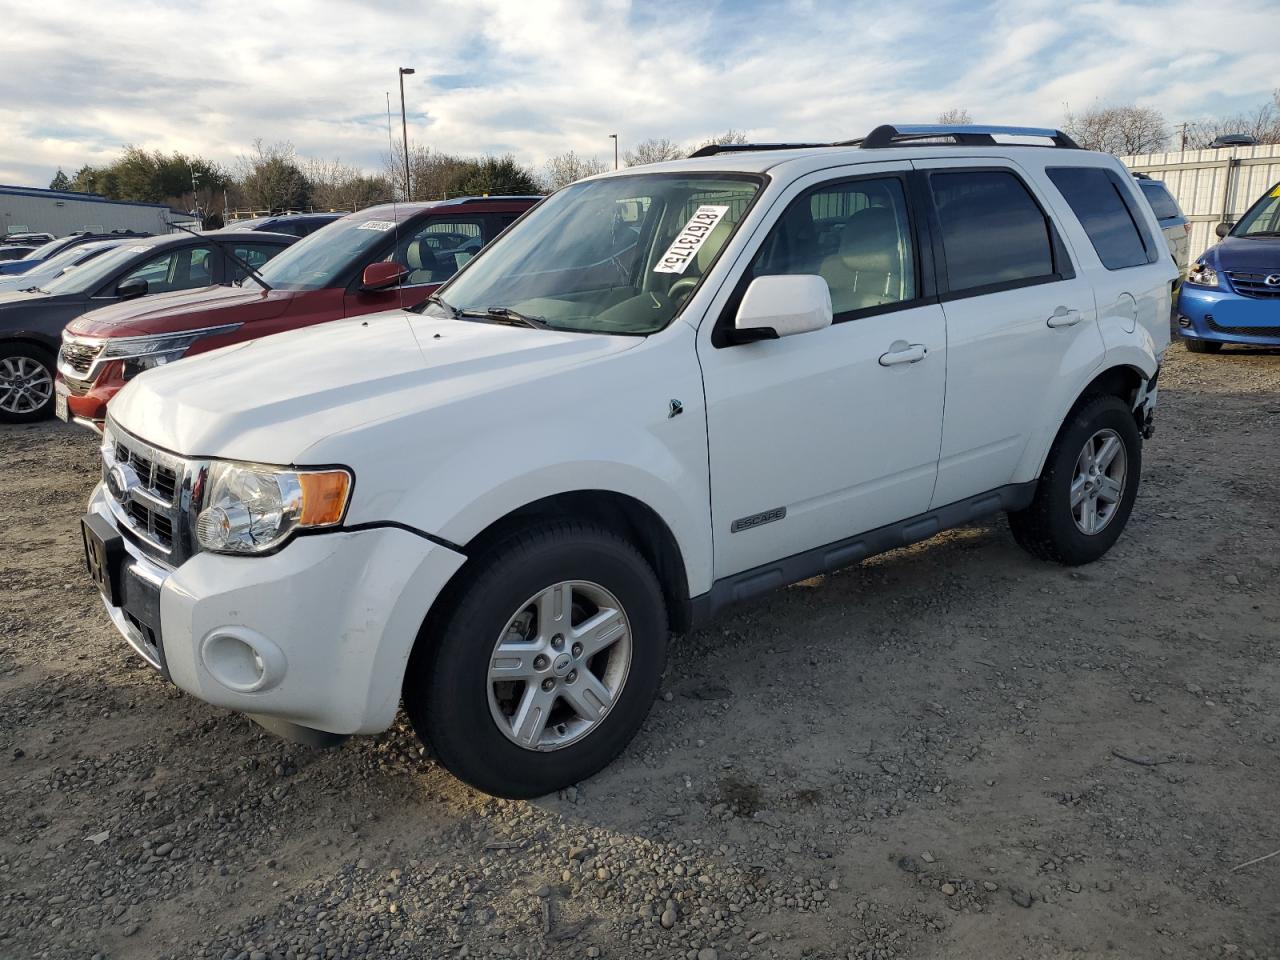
{"x":538,"y":77}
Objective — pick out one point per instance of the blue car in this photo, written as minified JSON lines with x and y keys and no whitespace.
{"x":1232,"y":293}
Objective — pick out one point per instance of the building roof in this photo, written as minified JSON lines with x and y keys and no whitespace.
{"x":41,"y":193}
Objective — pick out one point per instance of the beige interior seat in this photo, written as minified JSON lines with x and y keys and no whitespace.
{"x":422,"y":263}
{"x":868,"y":270}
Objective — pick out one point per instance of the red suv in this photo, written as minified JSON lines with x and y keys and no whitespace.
{"x":378,"y":259}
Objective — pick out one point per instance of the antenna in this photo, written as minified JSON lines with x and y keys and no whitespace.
{"x":395,"y":218}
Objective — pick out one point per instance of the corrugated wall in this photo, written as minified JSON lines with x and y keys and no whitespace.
{"x":1212,"y":185}
{"x":61,"y":216}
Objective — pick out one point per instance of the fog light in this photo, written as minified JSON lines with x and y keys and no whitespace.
{"x":242,"y":660}
{"x":1184,"y":322}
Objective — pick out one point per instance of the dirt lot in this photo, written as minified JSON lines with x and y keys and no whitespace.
{"x":951,"y":751}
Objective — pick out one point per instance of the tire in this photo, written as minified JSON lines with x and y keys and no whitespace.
{"x":469,"y":720}
{"x":26,"y":383}
{"x":1202,"y":346}
{"x":1050,"y":527}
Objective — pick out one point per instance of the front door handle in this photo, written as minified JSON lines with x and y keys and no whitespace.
{"x":902,"y":352}
{"x":1065,"y":317}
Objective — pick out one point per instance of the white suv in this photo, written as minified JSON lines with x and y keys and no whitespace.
{"x":662,"y":391}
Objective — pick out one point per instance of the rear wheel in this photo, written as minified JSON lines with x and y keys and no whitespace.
{"x":545,"y":663}
{"x":26,"y":383}
{"x":1203,"y":346}
{"x":1087,"y":488}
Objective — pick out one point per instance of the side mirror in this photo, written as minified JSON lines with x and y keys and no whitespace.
{"x":131,"y":289}
{"x":383,"y":274}
{"x":783,"y":306}
{"x":1224,"y":228}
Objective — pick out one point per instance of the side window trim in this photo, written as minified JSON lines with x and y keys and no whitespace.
{"x":1063,"y":267}
{"x":921,"y":237}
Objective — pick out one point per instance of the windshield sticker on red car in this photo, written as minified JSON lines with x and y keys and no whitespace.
{"x":382,"y":225}
{"x":690,"y":239}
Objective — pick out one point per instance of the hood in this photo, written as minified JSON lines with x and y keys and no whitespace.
{"x":181,"y":310}
{"x":272,"y":399}
{"x":1236,"y":253}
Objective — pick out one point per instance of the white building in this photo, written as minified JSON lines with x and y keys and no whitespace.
{"x":33,"y":210}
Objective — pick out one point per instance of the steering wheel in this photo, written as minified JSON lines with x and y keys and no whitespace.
{"x":681,"y":289}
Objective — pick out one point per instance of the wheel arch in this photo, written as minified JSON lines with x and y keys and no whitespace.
{"x":31,"y":339}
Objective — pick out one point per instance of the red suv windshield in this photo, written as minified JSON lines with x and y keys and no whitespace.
{"x":319,"y":260}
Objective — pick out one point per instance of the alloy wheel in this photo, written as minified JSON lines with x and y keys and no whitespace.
{"x":559,"y":665}
{"x":26,"y":384}
{"x":1097,"y":486}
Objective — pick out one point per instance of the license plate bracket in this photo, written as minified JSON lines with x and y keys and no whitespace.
{"x":103,"y":555}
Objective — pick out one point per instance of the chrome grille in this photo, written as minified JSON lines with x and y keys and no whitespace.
{"x":80,"y":356}
{"x":149,"y":491}
{"x":79,"y":362}
{"x":1255,"y":284}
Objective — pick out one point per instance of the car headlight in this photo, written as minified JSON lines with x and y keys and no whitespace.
{"x":143,"y":353}
{"x":250,"y":508}
{"x":1202,"y":275}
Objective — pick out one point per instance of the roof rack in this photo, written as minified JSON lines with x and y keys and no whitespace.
{"x":971,"y":135}
{"x":711,"y":149}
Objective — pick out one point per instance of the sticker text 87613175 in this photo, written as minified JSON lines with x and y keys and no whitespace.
{"x":690,"y":239}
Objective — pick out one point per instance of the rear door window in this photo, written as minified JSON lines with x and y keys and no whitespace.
{"x":1161,"y":200}
{"x":1096,"y":197}
{"x":994,"y":233}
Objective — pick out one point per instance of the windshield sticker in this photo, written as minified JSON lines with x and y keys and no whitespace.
{"x":382,"y":225}
{"x":142,"y":249}
{"x":690,"y":239}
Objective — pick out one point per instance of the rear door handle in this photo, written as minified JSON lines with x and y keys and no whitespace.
{"x":1065,"y":317}
{"x":902,"y":352}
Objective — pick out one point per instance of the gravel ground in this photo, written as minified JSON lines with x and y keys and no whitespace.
{"x":951,"y":750}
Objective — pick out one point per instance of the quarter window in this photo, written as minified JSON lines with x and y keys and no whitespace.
{"x":1094,"y":195}
{"x":993,"y":231}
{"x":856,"y":235}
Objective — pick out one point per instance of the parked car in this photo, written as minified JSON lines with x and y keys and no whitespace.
{"x":378,"y":258}
{"x":14,"y":251}
{"x":27,"y":237}
{"x":297,"y":224}
{"x":31,"y":322}
{"x":499,"y":505}
{"x":1173,"y":222}
{"x":58,"y":264}
{"x":1232,"y":293}
{"x":54,"y":247}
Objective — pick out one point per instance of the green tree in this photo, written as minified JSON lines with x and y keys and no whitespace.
{"x":495,"y":175}
{"x":60,"y":181}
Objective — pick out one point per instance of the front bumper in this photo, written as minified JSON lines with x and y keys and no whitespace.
{"x":316,"y":635}
{"x":1224,"y":316}
{"x":87,"y":401}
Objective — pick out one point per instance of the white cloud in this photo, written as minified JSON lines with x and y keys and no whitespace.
{"x":536,"y":77}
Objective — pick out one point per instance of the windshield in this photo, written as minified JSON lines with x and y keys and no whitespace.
{"x":89,"y":276}
{"x":1263,"y":218}
{"x":319,"y":259}
{"x":618,"y":255}
{"x":45,"y":250}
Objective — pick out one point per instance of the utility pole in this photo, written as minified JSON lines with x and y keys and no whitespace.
{"x":404,"y":127}
{"x":1184,"y":134}
{"x":614,"y":138}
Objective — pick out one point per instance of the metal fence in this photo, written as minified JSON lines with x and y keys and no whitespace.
{"x":1212,"y":185}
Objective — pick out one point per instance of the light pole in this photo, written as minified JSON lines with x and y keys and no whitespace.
{"x":404,"y":127}
{"x":614,"y":138}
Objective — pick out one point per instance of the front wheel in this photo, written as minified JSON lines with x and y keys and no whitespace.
{"x":1087,"y":488}
{"x":545,"y":663}
{"x":26,"y":383}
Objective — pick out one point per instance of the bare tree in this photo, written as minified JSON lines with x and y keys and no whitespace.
{"x":433,"y":173}
{"x":730,"y":136}
{"x":654,"y":150}
{"x":956,"y":116}
{"x":270,"y":178}
{"x":339,"y":186}
{"x":564,"y":168}
{"x":1120,"y":130}
{"x":1262,"y":123}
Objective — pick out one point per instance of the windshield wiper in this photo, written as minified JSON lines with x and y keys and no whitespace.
{"x":435,"y":298}
{"x":506,"y":315}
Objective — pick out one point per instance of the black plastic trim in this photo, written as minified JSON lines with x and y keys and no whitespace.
{"x":383,"y":524}
{"x":842,"y":553}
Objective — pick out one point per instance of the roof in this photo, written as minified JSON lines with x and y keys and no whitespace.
{"x":402,"y":211}
{"x":42,"y":194}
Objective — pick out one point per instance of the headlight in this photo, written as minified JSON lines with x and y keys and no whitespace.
{"x":249,"y":508}
{"x":143,"y":353}
{"x":1202,"y":275}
